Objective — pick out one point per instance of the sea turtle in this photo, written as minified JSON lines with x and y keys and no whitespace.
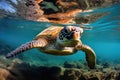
{"x":59,"y":41}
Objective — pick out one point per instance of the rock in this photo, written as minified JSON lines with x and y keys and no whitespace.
{"x":33,"y":11}
{"x":118,"y":76}
{"x":73,"y":64}
{"x":105,"y":70}
{"x":106,"y":65}
{"x":6,"y":75}
{"x":54,"y":73}
{"x":38,"y":72}
{"x":5,"y":63}
{"x":80,"y":65}
{"x":117,"y":67}
{"x":70,"y":65}
{"x":110,"y":75}
{"x":99,"y":67}
{"x":92,"y":75}
{"x":71,"y":74}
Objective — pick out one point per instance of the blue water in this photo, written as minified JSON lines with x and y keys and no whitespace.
{"x":103,"y":37}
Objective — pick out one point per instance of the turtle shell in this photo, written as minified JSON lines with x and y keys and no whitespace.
{"x":50,"y":33}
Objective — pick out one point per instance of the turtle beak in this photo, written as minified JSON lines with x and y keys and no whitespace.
{"x":76,"y":35}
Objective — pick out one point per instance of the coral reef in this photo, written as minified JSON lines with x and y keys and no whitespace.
{"x":56,"y":11}
{"x":64,"y":11}
{"x":51,"y":11}
{"x":33,"y":11}
{"x":18,"y":70}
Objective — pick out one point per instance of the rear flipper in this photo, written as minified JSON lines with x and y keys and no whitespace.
{"x":27,"y":46}
{"x":90,"y":55}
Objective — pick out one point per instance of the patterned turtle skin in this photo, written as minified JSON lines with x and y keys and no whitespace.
{"x":58,"y":40}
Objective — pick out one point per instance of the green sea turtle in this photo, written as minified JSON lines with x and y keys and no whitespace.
{"x":59,"y":41}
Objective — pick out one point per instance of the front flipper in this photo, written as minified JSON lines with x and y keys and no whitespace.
{"x":90,"y":55}
{"x":32,"y":44}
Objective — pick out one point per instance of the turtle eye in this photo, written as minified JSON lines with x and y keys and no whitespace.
{"x":66,"y":31}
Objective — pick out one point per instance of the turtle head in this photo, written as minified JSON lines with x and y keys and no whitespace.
{"x":69,"y":35}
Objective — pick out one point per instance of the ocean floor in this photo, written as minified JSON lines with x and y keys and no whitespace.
{"x":15,"y":69}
